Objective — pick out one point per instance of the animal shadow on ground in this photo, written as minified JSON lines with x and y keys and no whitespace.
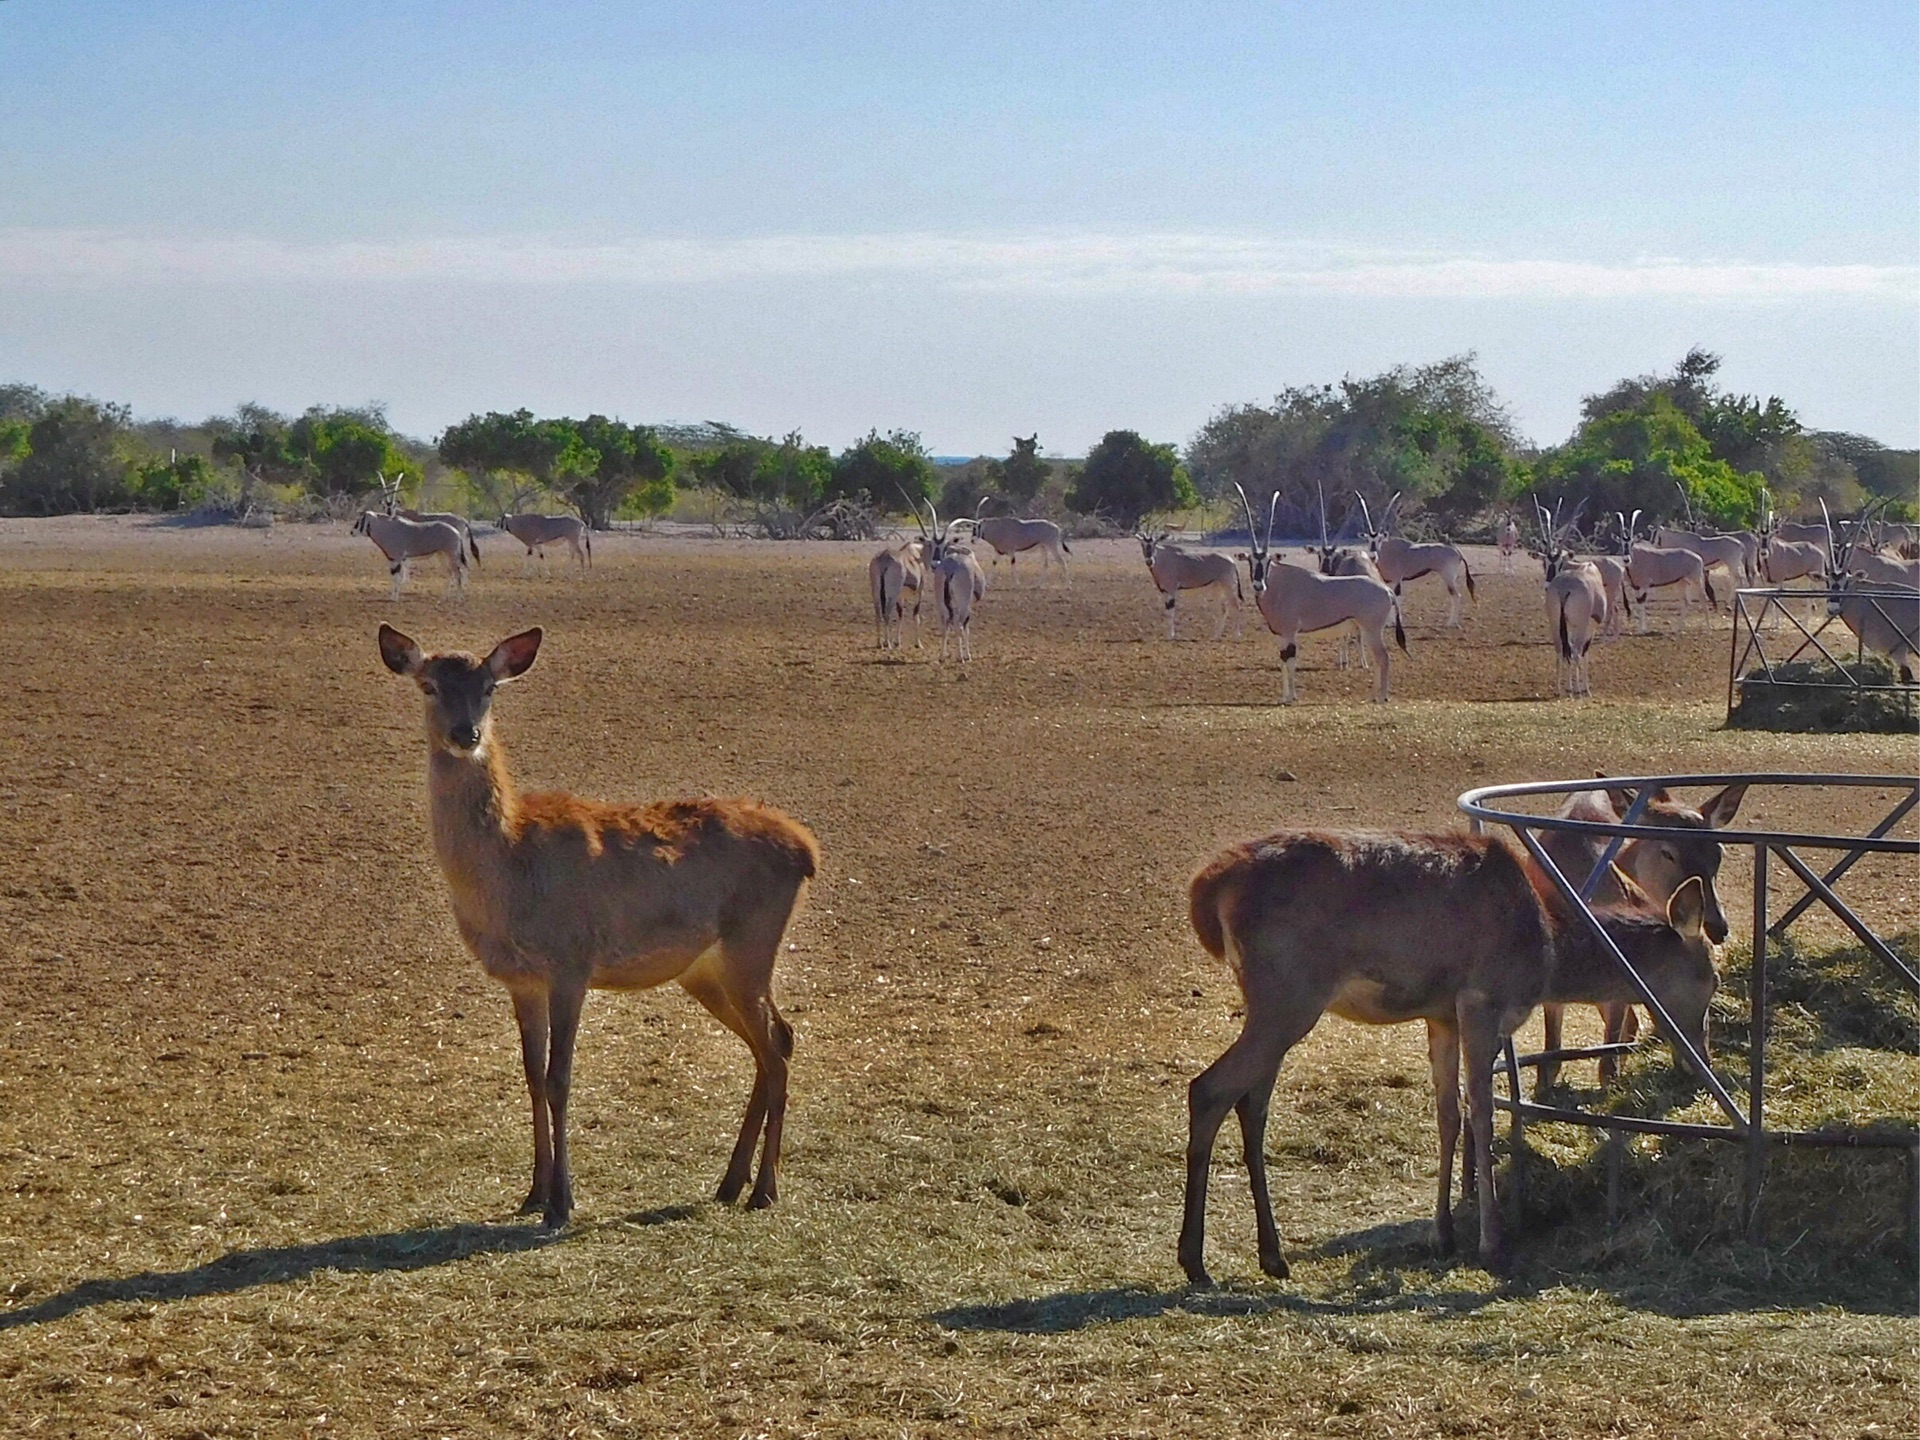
{"x":1380,"y":1250}
{"x":277,"y":1265}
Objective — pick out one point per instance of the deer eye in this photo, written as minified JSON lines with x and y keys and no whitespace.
{"x":427,"y":687}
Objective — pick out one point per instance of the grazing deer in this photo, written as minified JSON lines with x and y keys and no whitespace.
{"x":1452,"y":929}
{"x":1293,"y":600}
{"x":1400,"y":560}
{"x":890,"y":574}
{"x":1658,"y":867}
{"x":556,"y":895}
{"x":1013,"y":537}
{"x":536,"y":532}
{"x":404,"y":541}
{"x":1175,"y":570}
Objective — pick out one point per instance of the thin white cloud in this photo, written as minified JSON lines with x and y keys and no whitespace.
{"x":1089,"y":264}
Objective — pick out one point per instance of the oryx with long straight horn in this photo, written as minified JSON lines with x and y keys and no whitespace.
{"x":1729,"y":552}
{"x":1576,"y":598}
{"x":1884,"y":618}
{"x":1011,"y":536}
{"x":1294,"y":601}
{"x":957,"y":581}
{"x":391,"y":494}
{"x":1400,"y":560}
{"x":404,"y":541}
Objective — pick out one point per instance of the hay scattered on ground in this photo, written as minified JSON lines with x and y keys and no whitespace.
{"x":1813,"y":697}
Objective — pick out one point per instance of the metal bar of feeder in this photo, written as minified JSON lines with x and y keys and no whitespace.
{"x":1799,"y":907}
{"x":1852,"y":921}
{"x":1583,"y":1052}
{"x":1695,"y":1060}
{"x":1757,"y":1050}
{"x":1632,"y":817}
{"x":1697,"y":1130}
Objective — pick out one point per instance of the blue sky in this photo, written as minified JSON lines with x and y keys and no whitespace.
{"x":969,"y":220}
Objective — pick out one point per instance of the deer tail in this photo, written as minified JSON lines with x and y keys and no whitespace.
{"x":1469,"y":569}
{"x":473,"y":545}
{"x":1399,"y":630}
{"x":1706,"y":582}
{"x":1566,"y":645}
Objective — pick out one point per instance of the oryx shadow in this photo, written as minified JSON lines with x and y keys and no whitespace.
{"x":238,"y":1270}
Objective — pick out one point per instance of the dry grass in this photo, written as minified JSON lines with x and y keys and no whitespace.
{"x":261,"y":1121}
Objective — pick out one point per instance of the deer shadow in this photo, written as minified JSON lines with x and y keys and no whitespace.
{"x":238,"y":1270}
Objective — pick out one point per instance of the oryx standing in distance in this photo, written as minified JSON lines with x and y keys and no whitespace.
{"x":1013,"y":537}
{"x":955,"y":577}
{"x":1401,"y":560}
{"x":404,"y":541}
{"x":1651,"y":567}
{"x":1883,"y":618}
{"x":1729,"y":552}
{"x":890,"y":574}
{"x":1175,"y":569}
{"x":1294,"y":601}
{"x":1576,"y":598}
{"x":390,"y":493}
{"x":536,"y":532}
{"x":1508,"y":536}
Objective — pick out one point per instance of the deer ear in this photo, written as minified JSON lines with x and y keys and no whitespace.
{"x":1722,"y":807}
{"x":1687,"y":910}
{"x":399,"y":653}
{"x":513,"y":657}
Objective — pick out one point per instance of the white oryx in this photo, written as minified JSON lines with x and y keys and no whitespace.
{"x":1883,"y":618}
{"x":1652,"y":567}
{"x":1294,"y":601}
{"x":955,"y":577}
{"x":390,"y":493}
{"x":1729,"y":552}
{"x":1349,"y":560}
{"x":404,"y":541}
{"x":1400,"y":560}
{"x":536,"y":532}
{"x":1509,"y":537}
{"x":1013,"y":537}
{"x":1576,"y":596}
{"x":890,"y":574}
{"x":1174,"y":569}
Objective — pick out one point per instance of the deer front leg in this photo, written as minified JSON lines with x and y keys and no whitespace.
{"x":564,"y":1002}
{"x":1480,"y":1043}
{"x":1443,"y":1059}
{"x":530,"y":1010}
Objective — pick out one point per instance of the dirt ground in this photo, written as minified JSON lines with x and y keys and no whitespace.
{"x":261,"y":1117}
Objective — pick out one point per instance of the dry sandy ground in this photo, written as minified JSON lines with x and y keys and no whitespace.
{"x":261,"y":1121}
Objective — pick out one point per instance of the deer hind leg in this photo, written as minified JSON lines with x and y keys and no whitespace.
{"x":1553,"y":1027}
{"x":1620,"y":1023}
{"x":1443,"y":1058}
{"x":563,"y":1003}
{"x":1241,"y":1079}
{"x":530,"y":1011}
{"x":1480,"y":1044}
{"x":748,"y":949}
{"x":705,"y":986}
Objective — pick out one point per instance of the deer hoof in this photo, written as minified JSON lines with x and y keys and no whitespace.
{"x":1275,"y":1266}
{"x":730,"y":1189}
{"x":534,"y":1204}
{"x":1197,"y":1277}
{"x":760,"y":1199}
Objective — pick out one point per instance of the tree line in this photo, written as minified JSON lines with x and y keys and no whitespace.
{"x":1666,"y":444}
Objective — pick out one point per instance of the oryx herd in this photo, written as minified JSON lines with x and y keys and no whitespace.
{"x":403,"y":536}
{"x":1354,"y":590}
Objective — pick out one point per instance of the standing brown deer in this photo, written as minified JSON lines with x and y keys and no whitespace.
{"x":556,"y":895}
{"x":1452,"y":929}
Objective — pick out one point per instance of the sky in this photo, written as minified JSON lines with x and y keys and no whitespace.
{"x":969,"y":220}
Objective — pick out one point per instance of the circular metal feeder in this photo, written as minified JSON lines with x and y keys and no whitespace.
{"x":1492,"y":805}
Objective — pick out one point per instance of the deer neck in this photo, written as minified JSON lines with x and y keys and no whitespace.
{"x":472,"y":806}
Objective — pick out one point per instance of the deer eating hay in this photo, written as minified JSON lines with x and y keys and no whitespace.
{"x":556,"y":895}
{"x":1456,"y":930}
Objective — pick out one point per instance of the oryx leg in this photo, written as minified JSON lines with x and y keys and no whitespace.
{"x":1375,"y":643}
{"x":1289,"y":656}
{"x":1226,"y":603}
{"x":1456,"y":597}
{"x":397,"y":569}
{"x":1168,"y":602}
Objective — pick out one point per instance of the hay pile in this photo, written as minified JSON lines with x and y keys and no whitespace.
{"x":1830,"y":704}
{"x":1843,"y":1053}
